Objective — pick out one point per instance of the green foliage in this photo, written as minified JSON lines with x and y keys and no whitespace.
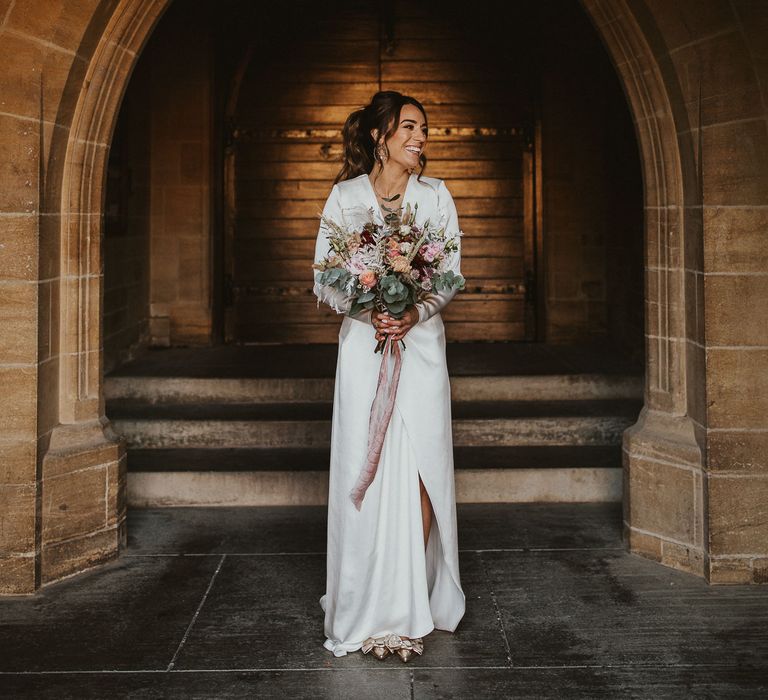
{"x":336,"y":277}
{"x":447,"y":281}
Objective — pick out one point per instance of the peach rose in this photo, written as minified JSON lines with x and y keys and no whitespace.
{"x":368,"y":278}
{"x":401,"y":264}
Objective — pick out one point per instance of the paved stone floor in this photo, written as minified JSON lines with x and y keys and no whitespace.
{"x":209,"y":603}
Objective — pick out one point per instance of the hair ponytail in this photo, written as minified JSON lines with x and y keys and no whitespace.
{"x":358,"y":145}
{"x":381,"y":113}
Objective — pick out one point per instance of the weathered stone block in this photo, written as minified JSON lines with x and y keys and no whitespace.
{"x":17,"y":575}
{"x":17,"y":518}
{"x":662,"y":499}
{"x":737,"y":388}
{"x":61,"y":559}
{"x":184,"y":209}
{"x":686,"y":21}
{"x":18,"y":415}
{"x":738,"y":514}
{"x":682,"y":557}
{"x":728,"y":296}
{"x":734,"y":161}
{"x":18,"y":319}
{"x":62,"y":23}
{"x":74,"y":504}
{"x":645,"y":545}
{"x":17,"y":461}
{"x":721,"y":67}
{"x":18,"y":248}
{"x":730,"y":571}
{"x":737,"y":450}
{"x":117,"y":478}
{"x":18,"y":165}
{"x":734,"y":239}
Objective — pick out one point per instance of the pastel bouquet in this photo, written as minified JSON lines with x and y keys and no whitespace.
{"x":388,"y":266}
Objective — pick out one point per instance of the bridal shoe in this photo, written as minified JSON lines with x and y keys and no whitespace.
{"x":409,"y":647}
{"x":404,"y":647}
{"x":378,"y":646}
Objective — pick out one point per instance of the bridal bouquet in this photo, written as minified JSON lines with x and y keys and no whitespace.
{"x":389,"y":266}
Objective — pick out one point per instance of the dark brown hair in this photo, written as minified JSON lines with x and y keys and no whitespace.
{"x":383,"y":114}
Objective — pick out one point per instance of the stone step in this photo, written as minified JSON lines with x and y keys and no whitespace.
{"x":566,"y":430}
{"x":253,"y":390}
{"x":237,"y":459}
{"x":132,"y":409}
{"x":152,"y":489}
{"x":251,"y":425}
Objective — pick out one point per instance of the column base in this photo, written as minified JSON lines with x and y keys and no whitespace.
{"x":664,"y":491}
{"x":83,"y":499}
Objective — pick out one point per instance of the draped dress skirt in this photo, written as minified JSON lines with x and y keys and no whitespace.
{"x":380,"y":580}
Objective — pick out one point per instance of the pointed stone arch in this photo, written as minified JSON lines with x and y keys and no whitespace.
{"x":664,"y":453}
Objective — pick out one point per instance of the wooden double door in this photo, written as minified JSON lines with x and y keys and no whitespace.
{"x":283,"y":150}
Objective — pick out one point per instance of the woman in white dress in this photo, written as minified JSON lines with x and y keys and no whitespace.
{"x":392,"y":566}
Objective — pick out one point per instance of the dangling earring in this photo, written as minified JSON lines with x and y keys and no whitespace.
{"x":381,"y":153}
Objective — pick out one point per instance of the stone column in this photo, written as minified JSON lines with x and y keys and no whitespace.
{"x":62,"y":473}
{"x":663,"y":453}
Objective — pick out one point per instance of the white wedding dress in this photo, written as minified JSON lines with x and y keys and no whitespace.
{"x":379,"y":578}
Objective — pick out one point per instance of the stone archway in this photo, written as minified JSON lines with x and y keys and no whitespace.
{"x":664,"y":452}
{"x":666,"y":507}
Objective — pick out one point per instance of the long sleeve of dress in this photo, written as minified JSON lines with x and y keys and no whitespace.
{"x":433,"y":303}
{"x":336,"y":299}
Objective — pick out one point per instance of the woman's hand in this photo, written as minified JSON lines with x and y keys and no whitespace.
{"x":386,"y":325}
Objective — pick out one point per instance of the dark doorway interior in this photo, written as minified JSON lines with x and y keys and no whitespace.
{"x":230,"y":137}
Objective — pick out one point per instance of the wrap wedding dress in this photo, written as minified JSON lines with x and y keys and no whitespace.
{"x":380,"y":580}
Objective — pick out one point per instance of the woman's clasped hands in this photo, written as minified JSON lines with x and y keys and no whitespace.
{"x":387,"y":325}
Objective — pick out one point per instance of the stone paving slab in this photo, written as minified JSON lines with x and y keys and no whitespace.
{"x":389,"y":684}
{"x":267,"y":615}
{"x":127,"y":615}
{"x":276,"y":529}
{"x":270,"y":529}
{"x":224,"y":603}
{"x":609,"y":608}
{"x":651,"y":683}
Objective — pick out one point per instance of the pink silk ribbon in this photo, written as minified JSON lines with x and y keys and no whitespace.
{"x":381,"y":413}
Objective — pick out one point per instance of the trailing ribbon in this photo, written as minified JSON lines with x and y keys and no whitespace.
{"x":381,"y":412}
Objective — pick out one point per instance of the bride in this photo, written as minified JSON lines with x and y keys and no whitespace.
{"x":392,"y":566}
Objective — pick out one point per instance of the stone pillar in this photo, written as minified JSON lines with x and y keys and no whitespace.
{"x":19,"y":289}
{"x":663,"y":453}
{"x":695,"y":465}
{"x":180,"y":233}
{"x":62,"y":473}
{"x":735,"y":287}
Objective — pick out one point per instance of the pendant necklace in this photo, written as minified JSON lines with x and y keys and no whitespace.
{"x":386,"y":198}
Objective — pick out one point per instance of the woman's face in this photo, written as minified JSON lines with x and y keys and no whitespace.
{"x":408,"y":142}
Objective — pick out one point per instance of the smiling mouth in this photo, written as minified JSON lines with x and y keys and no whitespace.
{"x":413,"y":149}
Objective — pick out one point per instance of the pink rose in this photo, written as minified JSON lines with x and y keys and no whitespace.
{"x":368,"y":278}
{"x":431,"y":251}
